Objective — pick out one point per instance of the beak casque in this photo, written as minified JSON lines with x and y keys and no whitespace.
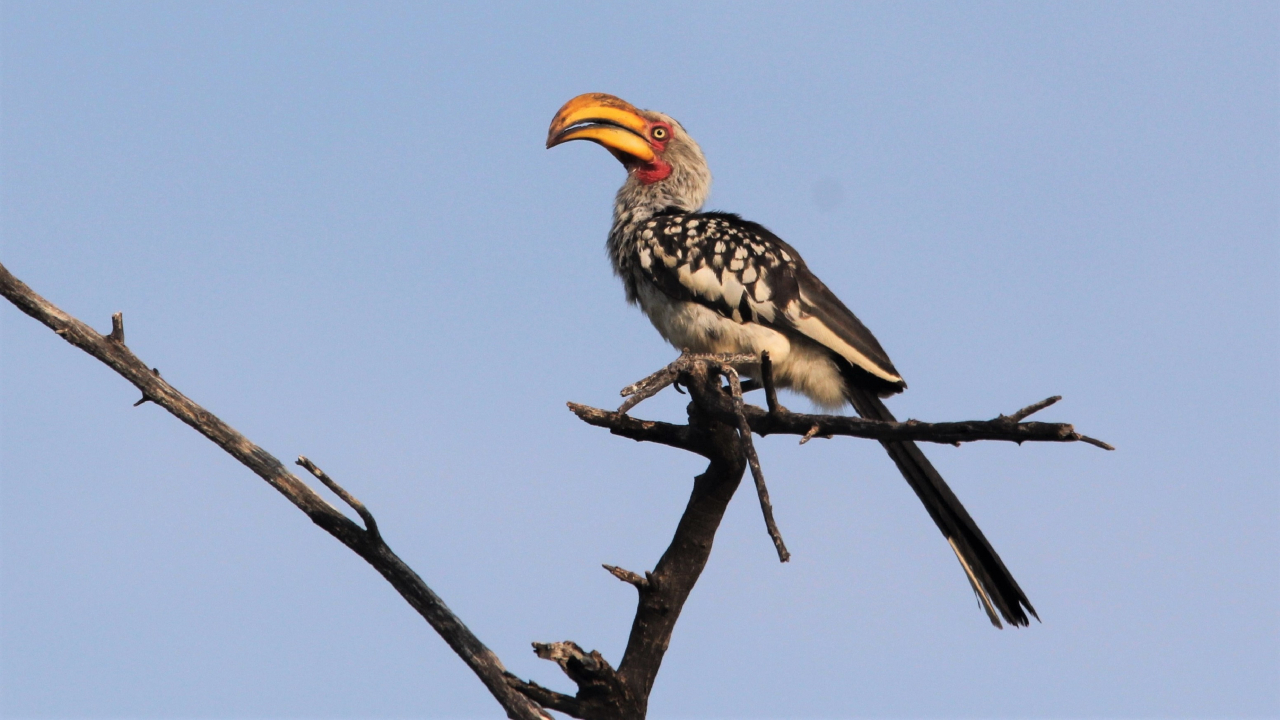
{"x":613,"y":122}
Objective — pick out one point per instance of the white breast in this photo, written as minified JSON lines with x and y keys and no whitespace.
{"x":798,"y":363}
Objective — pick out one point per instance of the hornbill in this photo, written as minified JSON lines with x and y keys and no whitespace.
{"x":711,"y":282}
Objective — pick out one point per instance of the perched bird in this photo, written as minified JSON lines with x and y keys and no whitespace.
{"x":712,"y":282}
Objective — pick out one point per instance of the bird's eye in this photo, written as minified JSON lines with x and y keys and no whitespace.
{"x":659,"y":133}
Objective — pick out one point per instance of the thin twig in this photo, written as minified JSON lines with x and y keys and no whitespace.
{"x":619,"y":423}
{"x":809,"y":434}
{"x":638,"y":392}
{"x":1037,"y":407}
{"x":766,"y":378}
{"x":642,"y":390}
{"x":370,"y":525}
{"x":627,"y":576}
{"x":548,"y":698}
{"x":744,"y":430}
{"x":1033,"y":408}
{"x":1094,"y":442}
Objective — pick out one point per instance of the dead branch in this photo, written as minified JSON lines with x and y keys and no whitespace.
{"x":670,"y":375}
{"x":550,"y":699}
{"x":627,"y":576}
{"x":370,"y":525}
{"x":619,"y":423}
{"x":713,"y":432}
{"x":785,"y":422}
{"x":766,"y":381}
{"x":753,"y":461}
{"x":719,"y":428}
{"x":366,"y":542}
{"x":652,"y":385}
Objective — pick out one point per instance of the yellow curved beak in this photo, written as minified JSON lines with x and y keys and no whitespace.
{"x":605,"y":119}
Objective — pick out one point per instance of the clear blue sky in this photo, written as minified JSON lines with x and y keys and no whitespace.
{"x":335,"y":225}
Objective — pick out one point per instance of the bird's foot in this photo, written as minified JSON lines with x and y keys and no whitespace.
{"x":637,"y":392}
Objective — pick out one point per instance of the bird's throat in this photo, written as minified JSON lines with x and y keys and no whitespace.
{"x":651,"y":172}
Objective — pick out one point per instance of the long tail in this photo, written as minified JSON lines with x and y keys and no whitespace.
{"x":992,"y":582}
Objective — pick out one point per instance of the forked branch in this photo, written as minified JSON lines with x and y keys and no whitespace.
{"x":720,"y":427}
{"x":366,"y":542}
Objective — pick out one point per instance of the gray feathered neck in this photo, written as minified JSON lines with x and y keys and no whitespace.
{"x":686,"y":189}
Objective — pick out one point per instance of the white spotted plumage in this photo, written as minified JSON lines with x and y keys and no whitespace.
{"x":712,"y":282}
{"x":725,"y":285}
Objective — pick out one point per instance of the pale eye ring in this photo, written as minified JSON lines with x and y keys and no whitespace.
{"x":659,"y":133}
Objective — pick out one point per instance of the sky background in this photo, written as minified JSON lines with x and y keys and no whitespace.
{"x":335,"y":226}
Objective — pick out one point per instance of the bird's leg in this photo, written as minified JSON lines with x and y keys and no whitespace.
{"x":637,"y":392}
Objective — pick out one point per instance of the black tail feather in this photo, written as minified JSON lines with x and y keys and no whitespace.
{"x":994,"y":585}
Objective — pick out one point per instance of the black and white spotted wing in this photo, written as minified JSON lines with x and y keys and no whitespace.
{"x":746,"y":273}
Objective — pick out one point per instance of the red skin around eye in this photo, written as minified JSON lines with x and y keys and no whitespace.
{"x":657,"y":169}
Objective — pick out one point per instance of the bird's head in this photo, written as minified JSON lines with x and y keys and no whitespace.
{"x":665,"y":167}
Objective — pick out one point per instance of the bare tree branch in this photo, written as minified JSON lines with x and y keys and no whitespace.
{"x":1096,"y":442}
{"x":623,"y":694}
{"x":654,"y":431}
{"x":627,"y":576}
{"x":652,"y":385}
{"x":370,"y":525}
{"x":670,"y":375}
{"x":720,"y":427}
{"x":679,"y":568}
{"x":117,"y":328}
{"x":111,"y":350}
{"x":1001,"y":428}
{"x":598,"y":683}
{"x":550,"y":699}
{"x":753,"y":461}
{"x":785,"y":422}
{"x":1033,"y":408}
